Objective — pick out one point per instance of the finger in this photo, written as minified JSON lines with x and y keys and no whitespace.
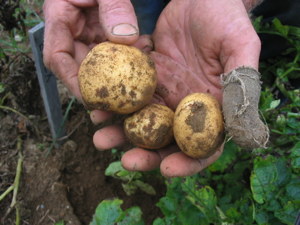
{"x":241,"y":45}
{"x":246,"y":55}
{"x":83,"y":3}
{"x":98,"y":116}
{"x":81,"y":50}
{"x":59,"y":48}
{"x":180,"y":165}
{"x":58,"y":51}
{"x":138,"y":159}
{"x":144,"y":43}
{"x":109,"y":137}
{"x":119,"y":21}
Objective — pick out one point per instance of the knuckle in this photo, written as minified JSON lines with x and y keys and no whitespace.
{"x":116,"y":6}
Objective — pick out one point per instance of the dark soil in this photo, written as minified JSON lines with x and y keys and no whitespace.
{"x":66,"y":183}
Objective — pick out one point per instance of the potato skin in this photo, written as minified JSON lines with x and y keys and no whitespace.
{"x":151,"y":127}
{"x":117,"y":78}
{"x":198,"y":125}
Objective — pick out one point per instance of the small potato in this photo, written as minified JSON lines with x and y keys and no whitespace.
{"x":117,"y":78}
{"x":198,"y":125}
{"x":151,"y":127}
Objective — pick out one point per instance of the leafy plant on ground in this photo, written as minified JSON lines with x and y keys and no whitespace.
{"x":131,"y":181}
{"x":109,"y":212}
{"x":243,"y":187}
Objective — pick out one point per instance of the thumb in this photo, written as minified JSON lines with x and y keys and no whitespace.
{"x":119,"y":21}
{"x":246,"y":54}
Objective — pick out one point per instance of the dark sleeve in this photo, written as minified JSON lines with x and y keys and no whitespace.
{"x":147,"y":12}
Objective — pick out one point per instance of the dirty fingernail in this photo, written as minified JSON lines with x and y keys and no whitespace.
{"x":124,"y":29}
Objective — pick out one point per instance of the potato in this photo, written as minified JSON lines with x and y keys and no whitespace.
{"x":117,"y":78}
{"x":151,"y":127}
{"x":198,"y":125}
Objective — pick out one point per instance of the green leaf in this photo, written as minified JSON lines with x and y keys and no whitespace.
{"x":2,"y":88}
{"x":295,"y":156}
{"x":107,"y":212}
{"x":60,"y":223}
{"x":122,"y":173}
{"x":159,"y":221}
{"x":163,"y":221}
{"x":113,"y":168}
{"x":267,"y":177}
{"x":233,"y":213}
{"x":132,"y":216}
{"x":203,"y":198}
{"x":289,"y":213}
{"x":228,"y":156}
{"x":273,"y":205}
{"x":168,"y":205}
{"x":116,"y":170}
{"x":262,"y":218}
{"x":274,"y":104}
{"x":129,"y":188}
{"x":266,"y":98}
{"x":257,"y":23}
{"x":293,"y":189}
{"x":177,"y":209}
{"x":295,"y":31}
{"x":147,"y":188}
{"x":283,"y":29}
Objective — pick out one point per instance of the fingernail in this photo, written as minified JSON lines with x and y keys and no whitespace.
{"x":124,"y":29}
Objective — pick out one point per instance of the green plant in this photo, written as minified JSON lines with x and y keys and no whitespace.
{"x":60,"y":223}
{"x":109,"y":212}
{"x":131,"y":181}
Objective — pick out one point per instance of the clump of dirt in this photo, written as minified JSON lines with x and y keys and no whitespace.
{"x":241,"y":94}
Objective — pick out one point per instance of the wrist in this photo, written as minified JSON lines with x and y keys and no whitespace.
{"x":251,"y":4}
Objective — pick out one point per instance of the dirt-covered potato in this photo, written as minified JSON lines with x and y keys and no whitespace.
{"x":117,"y":78}
{"x":198,"y":125}
{"x":151,"y":127}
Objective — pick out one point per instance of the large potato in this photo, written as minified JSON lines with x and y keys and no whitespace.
{"x":117,"y":78}
{"x":198,"y":125}
{"x":151,"y":127}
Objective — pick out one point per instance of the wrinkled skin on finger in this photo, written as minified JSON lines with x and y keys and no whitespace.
{"x":195,"y":42}
{"x":70,"y":32}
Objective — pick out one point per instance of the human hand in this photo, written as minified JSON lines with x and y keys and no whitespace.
{"x":195,"y":42}
{"x":73,"y":27}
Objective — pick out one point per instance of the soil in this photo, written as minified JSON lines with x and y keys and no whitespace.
{"x":64,"y":183}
